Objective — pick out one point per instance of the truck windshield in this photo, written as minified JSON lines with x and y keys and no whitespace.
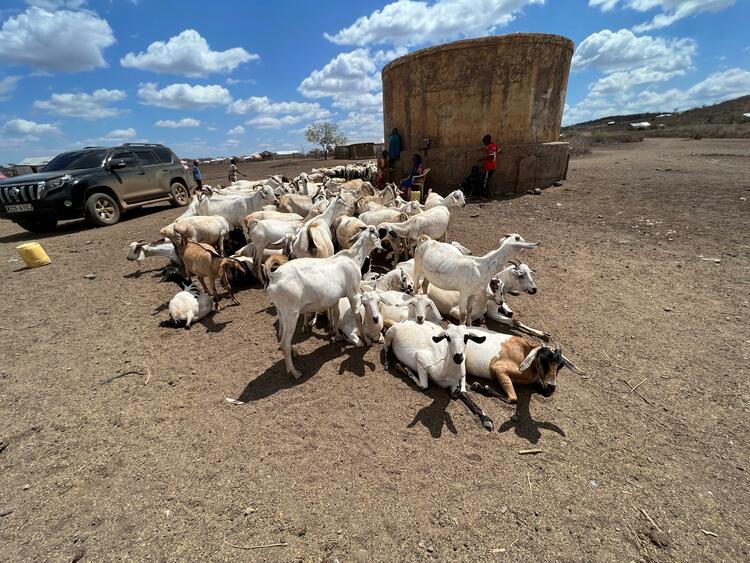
{"x":77,"y":160}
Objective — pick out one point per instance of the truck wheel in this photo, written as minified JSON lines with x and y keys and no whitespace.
{"x":180,"y":195}
{"x":38,"y":225}
{"x":102,"y":210}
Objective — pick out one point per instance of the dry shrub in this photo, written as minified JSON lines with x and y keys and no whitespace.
{"x":604,"y":138}
{"x":579,"y":145}
{"x":707,"y":130}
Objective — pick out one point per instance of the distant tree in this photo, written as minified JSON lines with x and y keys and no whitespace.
{"x":325,"y":134}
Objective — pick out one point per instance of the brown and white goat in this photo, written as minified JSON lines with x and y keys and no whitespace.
{"x":203,"y":261}
{"x":514,"y":360}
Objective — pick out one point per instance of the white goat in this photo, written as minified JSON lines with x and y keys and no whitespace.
{"x":268,"y":233}
{"x":190,"y":305}
{"x":369,"y":314}
{"x":235,"y":208}
{"x":346,"y":229}
{"x":396,"y":306}
{"x":454,"y":199}
{"x":213,"y":230}
{"x":490,"y":301}
{"x":314,"y":285}
{"x":140,"y":249}
{"x":445,"y":266}
{"x":384,"y":215}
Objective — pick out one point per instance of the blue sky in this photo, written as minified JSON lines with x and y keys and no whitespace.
{"x":235,"y":77}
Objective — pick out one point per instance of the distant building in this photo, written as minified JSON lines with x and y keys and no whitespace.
{"x":355,"y":151}
{"x":32,"y":164}
{"x":640,"y":125}
{"x":611,"y":122}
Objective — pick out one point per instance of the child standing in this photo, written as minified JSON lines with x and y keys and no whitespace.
{"x":233,"y":170}
{"x":490,"y":162}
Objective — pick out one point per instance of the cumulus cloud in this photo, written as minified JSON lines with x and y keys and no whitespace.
{"x":670,"y":10}
{"x":24,"y":127}
{"x":7,"y":86}
{"x":183,"y":96}
{"x":409,"y":22}
{"x":268,"y":122}
{"x":610,"y":51}
{"x":57,"y":4}
{"x":172,"y":124}
{"x":88,"y":106}
{"x":715,"y":88}
{"x":120,"y":135}
{"x":363,"y":126}
{"x":346,"y":73}
{"x":239,"y":130}
{"x":61,"y":40}
{"x":275,"y":115}
{"x":187,"y":53}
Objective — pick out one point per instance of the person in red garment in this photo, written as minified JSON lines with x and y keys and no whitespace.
{"x":490,"y":161}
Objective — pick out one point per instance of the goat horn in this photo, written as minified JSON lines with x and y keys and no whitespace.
{"x":514,"y":262}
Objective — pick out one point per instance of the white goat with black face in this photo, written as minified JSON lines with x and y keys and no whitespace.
{"x":430,"y":352}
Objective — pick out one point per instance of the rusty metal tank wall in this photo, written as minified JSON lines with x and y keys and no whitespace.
{"x":444,"y":99}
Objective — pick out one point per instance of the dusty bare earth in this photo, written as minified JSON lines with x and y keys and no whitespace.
{"x":355,"y":463}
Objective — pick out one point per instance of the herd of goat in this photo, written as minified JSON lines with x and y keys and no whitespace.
{"x":316,"y":244}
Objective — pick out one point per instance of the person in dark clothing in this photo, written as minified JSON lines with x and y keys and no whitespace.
{"x":473,"y":183}
{"x":197,"y":176}
{"x":382,"y":170}
{"x":407,"y":182}
{"x":394,"y":146}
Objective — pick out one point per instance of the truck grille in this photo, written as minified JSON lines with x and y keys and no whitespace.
{"x":21,"y":193}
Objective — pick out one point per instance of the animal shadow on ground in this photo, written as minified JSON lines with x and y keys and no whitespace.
{"x":526,"y":427}
{"x":275,"y":378}
{"x":354,"y":360}
{"x":435,"y":415}
{"x":138,"y":273}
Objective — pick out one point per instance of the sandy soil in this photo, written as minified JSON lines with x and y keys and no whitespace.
{"x":354,"y":463}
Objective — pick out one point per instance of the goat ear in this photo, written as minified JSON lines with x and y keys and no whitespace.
{"x":528,"y":360}
{"x":476,"y":338}
{"x":494,"y":284}
{"x":435,"y":310}
{"x":439,"y":337}
{"x":571,"y":366}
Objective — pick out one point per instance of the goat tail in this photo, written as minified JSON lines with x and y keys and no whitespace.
{"x":189,"y":319}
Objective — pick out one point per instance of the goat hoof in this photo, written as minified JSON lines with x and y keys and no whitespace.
{"x":295,"y":373}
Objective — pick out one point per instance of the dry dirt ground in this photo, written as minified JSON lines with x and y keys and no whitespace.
{"x":353,"y":462}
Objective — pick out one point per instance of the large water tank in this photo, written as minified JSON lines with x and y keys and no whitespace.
{"x":444,"y":99}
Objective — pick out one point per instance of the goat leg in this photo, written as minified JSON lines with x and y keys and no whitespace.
{"x":473,"y":407}
{"x":486,"y":390}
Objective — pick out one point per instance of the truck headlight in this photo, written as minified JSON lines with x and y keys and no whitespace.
{"x":57,"y":182}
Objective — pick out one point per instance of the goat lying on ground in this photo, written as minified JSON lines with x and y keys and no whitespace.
{"x":203,"y":261}
{"x":428,"y":351}
{"x":396,"y":306}
{"x":369,"y":314}
{"x":189,"y":305}
{"x":513,"y":359}
{"x":140,"y":249}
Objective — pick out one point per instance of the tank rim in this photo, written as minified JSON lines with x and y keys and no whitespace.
{"x":519,"y":38}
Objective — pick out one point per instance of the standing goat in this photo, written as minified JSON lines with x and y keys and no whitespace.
{"x":315,"y":285}
{"x":203,"y":261}
{"x":445,"y":266}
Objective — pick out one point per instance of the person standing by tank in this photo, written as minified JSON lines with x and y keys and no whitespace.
{"x":197,"y":176}
{"x":382,"y":170}
{"x":233,"y":171}
{"x":490,"y":162}
{"x":394,"y":146}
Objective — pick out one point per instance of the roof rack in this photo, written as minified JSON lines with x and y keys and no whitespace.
{"x":141,"y":145}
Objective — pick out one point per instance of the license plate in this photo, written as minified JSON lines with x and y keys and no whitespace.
{"x":20,"y":208}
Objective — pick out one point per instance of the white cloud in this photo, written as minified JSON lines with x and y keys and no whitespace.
{"x":610,"y":51}
{"x":239,"y":130}
{"x":24,"y":127}
{"x":231,"y":143}
{"x":263,"y":105}
{"x":62,"y":40}
{"x":232,"y":81}
{"x":187,"y":53}
{"x":363,"y":126}
{"x":717,"y":87}
{"x":409,"y":22}
{"x":120,"y":135}
{"x":89,"y":106}
{"x":183,"y":96}
{"x":268,"y":122}
{"x":7,"y":85}
{"x":172,"y":124}
{"x":671,"y":10}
